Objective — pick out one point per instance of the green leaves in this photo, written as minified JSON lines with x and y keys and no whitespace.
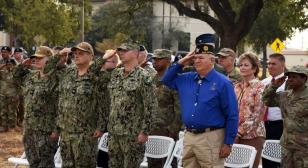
{"x":55,"y":21}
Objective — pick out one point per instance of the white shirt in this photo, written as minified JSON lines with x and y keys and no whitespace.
{"x":274,"y":113}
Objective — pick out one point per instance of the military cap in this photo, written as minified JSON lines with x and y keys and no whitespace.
{"x":84,"y":46}
{"x":162,"y":53}
{"x":17,"y":50}
{"x":205,"y":43}
{"x":6,"y":48}
{"x":43,"y":51}
{"x":299,"y":69}
{"x":225,"y":52}
{"x":129,"y":46}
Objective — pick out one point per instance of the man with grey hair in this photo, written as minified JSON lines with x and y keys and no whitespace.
{"x":209,"y":107}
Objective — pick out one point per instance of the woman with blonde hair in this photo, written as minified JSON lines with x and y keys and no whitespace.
{"x":251,"y":130}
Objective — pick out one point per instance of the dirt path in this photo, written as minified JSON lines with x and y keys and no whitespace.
{"x":10,"y":146}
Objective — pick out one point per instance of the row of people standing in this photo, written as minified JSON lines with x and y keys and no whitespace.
{"x":83,"y":107}
{"x":207,"y":113}
{"x":11,"y":111}
{"x":76,"y":102}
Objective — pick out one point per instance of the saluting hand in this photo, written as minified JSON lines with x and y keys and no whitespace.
{"x":109,"y":54}
{"x":65,"y":51}
{"x":27,"y":62}
{"x":187,"y":59}
{"x":97,"y":134}
{"x":54,"y":136}
{"x":279,"y":82}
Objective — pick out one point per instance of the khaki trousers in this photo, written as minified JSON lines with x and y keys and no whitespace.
{"x":202,"y":150}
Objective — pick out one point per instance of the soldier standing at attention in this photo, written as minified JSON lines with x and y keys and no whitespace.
{"x":168,"y":119}
{"x":40,"y":107}
{"x":143,"y":61}
{"x":226,"y":58}
{"x":6,"y":53}
{"x":133,"y":102}
{"x":9,"y":91}
{"x":294,"y":107}
{"x":81,"y":116}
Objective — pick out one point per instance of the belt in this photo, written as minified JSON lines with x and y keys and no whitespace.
{"x":200,"y":131}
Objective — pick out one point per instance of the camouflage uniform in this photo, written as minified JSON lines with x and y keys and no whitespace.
{"x":234,"y":75}
{"x":148,"y":67}
{"x":81,"y":112}
{"x":9,"y":99}
{"x":294,"y":108}
{"x":168,"y":120}
{"x":132,"y":105}
{"x":40,"y":112}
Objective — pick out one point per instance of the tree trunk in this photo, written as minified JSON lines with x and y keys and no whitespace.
{"x":264,"y":62}
{"x":228,"y":40}
{"x":230,"y":26}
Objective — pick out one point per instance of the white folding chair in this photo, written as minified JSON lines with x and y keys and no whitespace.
{"x":181,"y":134}
{"x":177,"y":153}
{"x":241,"y":156}
{"x":103,"y":143}
{"x":158,"y":147}
{"x":272,"y":150}
{"x":22,"y":161}
{"x":58,"y":159}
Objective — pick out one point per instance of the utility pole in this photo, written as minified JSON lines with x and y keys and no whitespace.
{"x":163,"y":30}
{"x":82,"y":21}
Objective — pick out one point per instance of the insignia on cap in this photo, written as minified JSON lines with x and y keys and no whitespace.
{"x":205,"y":48}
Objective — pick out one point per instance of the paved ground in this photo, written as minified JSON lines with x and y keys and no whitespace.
{"x":10,"y":145}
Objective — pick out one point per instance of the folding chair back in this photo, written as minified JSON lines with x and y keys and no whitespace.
{"x":177,"y":153}
{"x":241,"y":156}
{"x":181,"y":134}
{"x":158,"y":147}
{"x":103,"y":143}
{"x":272,"y":150}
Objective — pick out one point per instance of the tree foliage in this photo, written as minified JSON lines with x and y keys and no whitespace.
{"x":130,"y":18}
{"x":55,"y":21}
{"x":277,"y":19}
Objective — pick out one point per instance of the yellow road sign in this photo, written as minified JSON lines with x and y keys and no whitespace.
{"x":277,"y":45}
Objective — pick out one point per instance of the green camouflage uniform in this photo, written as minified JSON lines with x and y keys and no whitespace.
{"x":235,"y":76}
{"x":168,"y":120}
{"x":132,"y":105}
{"x":150,"y":69}
{"x":40,"y":104}
{"x":9,"y":99}
{"x":81,"y":113}
{"x":294,"y":108}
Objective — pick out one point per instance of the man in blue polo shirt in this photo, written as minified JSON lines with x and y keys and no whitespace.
{"x":209,"y":107}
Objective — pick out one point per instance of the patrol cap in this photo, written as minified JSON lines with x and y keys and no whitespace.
{"x":205,"y":44}
{"x":225,"y":52}
{"x":162,"y":53}
{"x":6,"y":48}
{"x":128,"y":46}
{"x":17,"y":50}
{"x":299,"y":69}
{"x":43,"y":51}
{"x":84,"y":46}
